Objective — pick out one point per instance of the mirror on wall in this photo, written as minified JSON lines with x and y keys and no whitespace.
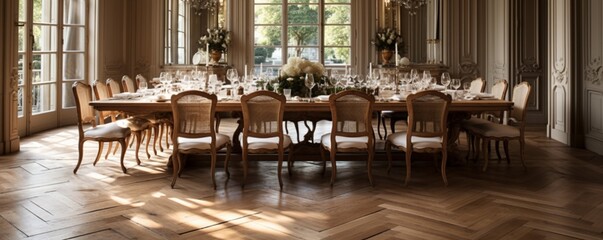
{"x":184,"y":23}
{"x":420,"y":28}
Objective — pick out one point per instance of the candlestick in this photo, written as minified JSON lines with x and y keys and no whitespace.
{"x":261,"y":68}
{"x":245,"y":71}
{"x":207,"y":54}
{"x":371,"y":69}
{"x":396,"y":56}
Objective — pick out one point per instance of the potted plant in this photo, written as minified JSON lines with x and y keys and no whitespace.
{"x":216,"y":42}
{"x":386,"y":41}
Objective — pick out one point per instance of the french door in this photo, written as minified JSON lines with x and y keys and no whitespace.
{"x":52,"y":55}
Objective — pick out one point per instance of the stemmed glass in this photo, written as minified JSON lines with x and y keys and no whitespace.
{"x":232,"y":74}
{"x":309,"y":81}
{"x":445,"y":80}
{"x":234,"y":82}
{"x":142,"y":87}
{"x":456,"y":84}
{"x":166,"y":80}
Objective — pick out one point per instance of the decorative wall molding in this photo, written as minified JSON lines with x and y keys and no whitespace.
{"x":529,"y":65}
{"x":469,"y":70}
{"x":14,"y":84}
{"x":592,"y":71}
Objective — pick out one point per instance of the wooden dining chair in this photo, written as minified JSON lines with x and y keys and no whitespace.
{"x":351,"y":130}
{"x":489,"y":131}
{"x":110,"y":132}
{"x":478,"y":85}
{"x":499,"y":91}
{"x":194,"y":132}
{"x":128,"y":84}
{"x":427,"y":130}
{"x":263,"y":129}
{"x":114,"y":86}
{"x":138,"y":125}
{"x":101,"y":92}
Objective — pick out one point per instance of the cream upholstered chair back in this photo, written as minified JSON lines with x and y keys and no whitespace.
{"x":263,"y":114}
{"x":128,"y":84}
{"x":193,"y":113}
{"x":427,"y":114}
{"x":521,"y":94}
{"x":477,"y":86}
{"x":351,"y":113}
{"x":114,"y":86}
{"x":499,"y":90}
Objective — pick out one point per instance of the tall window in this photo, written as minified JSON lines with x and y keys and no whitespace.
{"x":176,"y":37}
{"x":317,"y":30}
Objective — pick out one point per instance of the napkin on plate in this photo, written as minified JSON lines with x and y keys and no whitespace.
{"x":322,"y":98}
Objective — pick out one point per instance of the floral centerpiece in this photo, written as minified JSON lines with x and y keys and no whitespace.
{"x":216,"y":42}
{"x":293,"y":77}
{"x":386,"y":41}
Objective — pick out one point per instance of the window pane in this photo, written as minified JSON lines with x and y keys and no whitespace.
{"x":45,"y":11}
{"x":74,"y":38}
{"x":268,"y":14}
{"x":338,"y":14}
{"x":302,"y":35}
{"x":337,"y":1}
{"x":21,"y":68}
{"x":305,"y":53}
{"x":268,"y":55}
{"x":181,"y":39}
{"x":338,"y":35}
{"x":20,"y":102}
{"x":44,"y":68}
{"x":181,"y":56}
{"x":337,"y":56}
{"x":68,"y":98}
{"x":21,"y":38}
{"x":43,"y":98}
{"x":22,"y":10}
{"x":74,"y":12}
{"x":45,"y":38}
{"x":302,"y":14}
{"x":268,"y":1}
{"x":267,"y":35}
{"x":73,"y":66}
{"x":303,"y":1}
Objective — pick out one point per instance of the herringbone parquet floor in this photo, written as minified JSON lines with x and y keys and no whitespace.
{"x":560,"y":196}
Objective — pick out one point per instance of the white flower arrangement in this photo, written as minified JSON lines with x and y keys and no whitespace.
{"x":294,"y":72}
{"x":297,"y":67}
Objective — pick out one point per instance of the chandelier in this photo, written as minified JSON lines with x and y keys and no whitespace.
{"x":411,"y":5}
{"x":199,"y":5}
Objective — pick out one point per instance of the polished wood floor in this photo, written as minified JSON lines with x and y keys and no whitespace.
{"x":560,"y":196}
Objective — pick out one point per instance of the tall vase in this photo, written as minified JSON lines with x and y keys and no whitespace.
{"x":386,"y":56}
{"x":215,"y":56}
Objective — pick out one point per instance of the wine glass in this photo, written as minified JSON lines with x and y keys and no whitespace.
{"x":235,"y":87}
{"x":142,"y":87}
{"x":309,"y":81}
{"x":232,"y":74}
{"x":445,"y":79}
{"x":456,"y":84}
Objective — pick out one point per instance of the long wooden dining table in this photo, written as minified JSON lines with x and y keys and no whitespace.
{"x":303,"y":110}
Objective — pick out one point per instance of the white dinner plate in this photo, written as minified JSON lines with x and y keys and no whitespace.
{"x":197,"y":58}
